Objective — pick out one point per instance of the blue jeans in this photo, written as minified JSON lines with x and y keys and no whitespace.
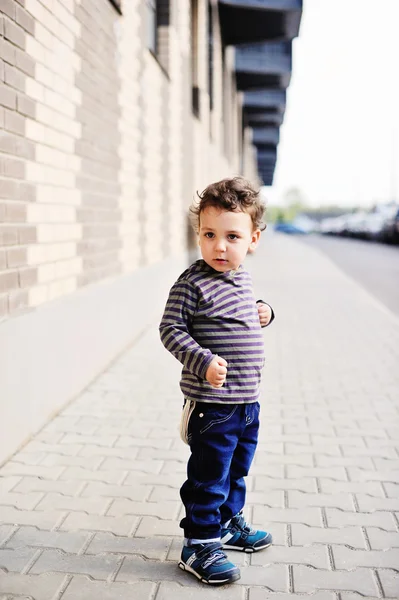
{"x":223,"y":439}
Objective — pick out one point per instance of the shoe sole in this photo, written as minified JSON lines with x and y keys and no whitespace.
{"x":249,"y":550}
{"x":231,"y":579}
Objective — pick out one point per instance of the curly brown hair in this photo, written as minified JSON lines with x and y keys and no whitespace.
{"x":235,"y":194}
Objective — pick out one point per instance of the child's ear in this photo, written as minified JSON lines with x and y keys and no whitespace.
{"x":254,"y":239}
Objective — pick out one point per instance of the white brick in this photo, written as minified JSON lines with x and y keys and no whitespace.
{"x":59,"y":103}
{"x":68,"y":268}
{"x":34,"y":89}
{"x":61,"y":288}
{"x":38,"y":295}
{"x":46,"y":273}
{"x":43,"y":35}
{"x":44,"y":76}
{"x":35,"y":49}
{"x":64,"y":15}
{"x":58,"y":232}
{"x":49,"y":194}
{"x":43,"y":253}
{"x":51,"y":156}
{"x":34,"y":131}
{"x":59,"y":140}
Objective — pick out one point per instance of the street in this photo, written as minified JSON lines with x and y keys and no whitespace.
{"x":375,"y":266}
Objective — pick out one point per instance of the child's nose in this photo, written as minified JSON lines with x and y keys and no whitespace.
{"x":220,"y":245}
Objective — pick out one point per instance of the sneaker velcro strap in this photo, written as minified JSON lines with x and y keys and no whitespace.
{"x":207,"y":550}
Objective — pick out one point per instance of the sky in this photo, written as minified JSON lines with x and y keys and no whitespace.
{"x":339,"y":143}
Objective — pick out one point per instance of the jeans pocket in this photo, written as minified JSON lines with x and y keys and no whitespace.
{"x":215,"y":416}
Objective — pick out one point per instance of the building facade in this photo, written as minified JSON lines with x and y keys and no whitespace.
{"x":112,"y":114}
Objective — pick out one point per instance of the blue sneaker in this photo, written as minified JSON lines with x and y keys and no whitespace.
{"x":209,"y":563}
{"x":240,"y":536}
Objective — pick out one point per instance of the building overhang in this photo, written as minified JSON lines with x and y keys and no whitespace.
{"x":249,"y":21}
{"x":265,"y":65}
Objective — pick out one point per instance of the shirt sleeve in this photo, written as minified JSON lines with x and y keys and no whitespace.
{"x":175,"y":329}
{"x":273,"y":315}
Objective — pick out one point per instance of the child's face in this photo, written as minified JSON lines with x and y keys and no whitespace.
{"x":225,"y":237}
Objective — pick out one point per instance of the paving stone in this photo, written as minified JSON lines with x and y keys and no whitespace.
{"x":309,"y":580}
{"x":329,"y":450}
{"x":340,"y":518}
{"x":285,"y":459}
{"x":303,"y":535}
{"x":272,"y":498}
{"x":98,"y":567}
{"x":162,"y":510}
{"x":104,"y":440}
{"x":144,"y":466}
{"x":23,"y":501}
{"x":5,"y":532}
{"x":385,"y":452}
{"x":137,"y":492}
{"x":268,"y":483}
{"x":86,"y":462}
{"x":39,"y":587}
{"x":260,"y":594}
{"x":116,"y":525}
{"x":150,"y":526}
{"x":68,"y":541}
{"x":152,"y":548}
{"x":273,"y":577}
{"x":44,"y":520}
{"x":370,"y":504}
{"x":64,"y":450}
{"x":308,"y":516}
{"x":392,"y":490}
{"x":78,"y":473}
{"x":29,"y":458}
{"x":93,"y":505}
{"x":315,"y":556}
{"x":329,"y":486}
{"x":15,"y":561}
{"x":127,"y":441}
{"x":8,"y":483}
{"x":344,"y":461}
{"x":337,"y":473}
{"x":390,"y":583}
{"x":15,"y":468}
{"x":363,"y":475}
{"x":34,"y":484}
{"x":135,"y":568}
{"x":382,"y":540}
{"x":172,"y":481}
{"x":169,"y":591}
{"x":82,"y":588}
{"x":346,"y":558}
{"x":102,"y":451}
{"x":300,"y":500}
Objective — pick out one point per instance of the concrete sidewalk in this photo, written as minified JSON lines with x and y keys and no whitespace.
{"x":90,"y":507}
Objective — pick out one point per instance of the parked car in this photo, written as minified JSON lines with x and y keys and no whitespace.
{"x":390,"y":230}
{"x":288,"y":228}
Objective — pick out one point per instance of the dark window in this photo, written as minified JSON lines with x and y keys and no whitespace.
{"x":194,"y":58}
{"x":152,"y":25}
{"x":118,"y":5}
{"x":210,"y":53}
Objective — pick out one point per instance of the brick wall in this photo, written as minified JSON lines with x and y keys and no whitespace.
{"x":100,"y":153}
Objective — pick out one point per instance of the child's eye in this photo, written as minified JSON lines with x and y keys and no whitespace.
{"x":209,"y":235}
{"x":232,"y":236}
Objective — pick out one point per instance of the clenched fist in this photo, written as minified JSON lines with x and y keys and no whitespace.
{"x":216,"y":372}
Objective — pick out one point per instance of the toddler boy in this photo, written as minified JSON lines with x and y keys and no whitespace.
{"x":212,"y":324}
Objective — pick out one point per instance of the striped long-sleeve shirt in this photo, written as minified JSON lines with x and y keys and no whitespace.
{"x":211,"y":313}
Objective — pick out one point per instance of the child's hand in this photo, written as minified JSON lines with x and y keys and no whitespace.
{"x":216,"y":373}
{"x":265,"y":314}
